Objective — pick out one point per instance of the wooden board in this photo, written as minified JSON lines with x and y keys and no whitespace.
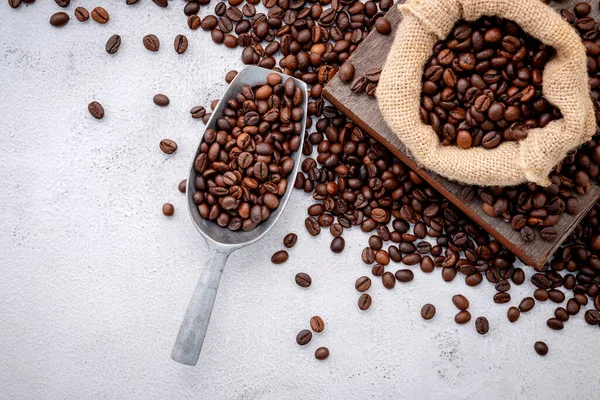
{"x":364,"y":111}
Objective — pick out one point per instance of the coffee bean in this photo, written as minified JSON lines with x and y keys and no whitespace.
{"x":182,"y":186}
{"x":161,"y":100}
{"x":161,"y":3}
{"x":290,"y":240}
{"x":279,"y":257}
{"x":501,"y":298}
{"x":404,"y":275}
{"x":100,"y":15}
{"x":194,"y":22}
{"x":561,"y":314}
{"x":63,"y":3}
{"x":364,"y":302}
{"x":181,"y":43}
{"x":317,"y":324}
{"x":526,"y":304}
{"x":113,"y":44}
{"x":383,"y":26}
{"x":151,"y":42}
{"x":462,"y":317}
{"x":460,"y":301}
{"x":303,"y":279}
{"x":555,"y":323}
{"x":482,"y":325}
{"x":14,"y":3}
{"x":363,"y":284}
{"x":82,"y":14}
{"x":513,"y":314}
{"x":592,"y":317}
{"x":556,"y":296}
{"x":230,"y":76}
{"x":428,"y":311}
{"x":59,"y":19}
{"x":337,"y":244}
{"x":312,"y":226}
{"x":303,"y":337}
{"x":346,"y":72}
{"x":168,"y":146}
{"x":321,"y":353}
{"x":388,"y":280}
{"x":96,"y":110}
{"x":582,"y":9}
{"x":541,"y":295}
{"x":168,"y":209}
{"x":198,"y":112}
{"x":541,"y":348}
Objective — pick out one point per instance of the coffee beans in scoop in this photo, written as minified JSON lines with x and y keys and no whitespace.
{"x":244,"y":162}
{"x":483,"y":85}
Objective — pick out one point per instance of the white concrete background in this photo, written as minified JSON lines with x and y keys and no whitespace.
{"x":94,"y":279}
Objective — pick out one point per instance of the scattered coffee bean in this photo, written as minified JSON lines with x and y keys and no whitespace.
{"x":460,"y":301}
{"x":230,"y":76}
{"x":161,"y":3}
{"x":303,"y":337}
{"x":96,"y":110}
{"x":161,"y":100}
{"x":513,"y":314}
{"x":428,"y":311}
{"x":364,"y":302}
{"x":317,"y":324}
{"x":290,"y":240}
{"x":482,"y":326}
{"x":303,"y":279}
{"x":59,"y":19}
{"x":82,"y":14}
{"x":63,"y":3}
{"x":526,"y":304}
{"x":151,"y":42}
{"x":404,"y":275}
{"x":592,"y":317}
{"x":279,"y":257}
{"x":100,"y":15}
{"x":363,"y":284}
{"x":383,"y":26}
{"x":181,"y":43}
{"x":337,"y":244}
{"x":168,"y":209}
{"x":541,"y":348}
{"x":321,"y":353}
{"x":388,"y":280}
{"x":555,"y":323}
{"x":198,"y":112}
{"x":182,"y":186}
{"x":462,"y":317}
{"x":113,"y":44}
{"x":346,"y":72}
{"x":168,"y":146}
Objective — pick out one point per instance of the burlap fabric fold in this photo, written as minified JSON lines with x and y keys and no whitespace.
{"x":565,"y":85}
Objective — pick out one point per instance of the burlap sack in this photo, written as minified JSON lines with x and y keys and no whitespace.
{"x":565,"y":85}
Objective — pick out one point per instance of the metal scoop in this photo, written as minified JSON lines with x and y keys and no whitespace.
{"x":222,"y":241}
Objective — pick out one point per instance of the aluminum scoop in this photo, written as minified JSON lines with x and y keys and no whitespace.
{"x":221,"y":241}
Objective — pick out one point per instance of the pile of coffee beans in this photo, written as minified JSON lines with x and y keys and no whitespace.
{"x":483,"y":85}
{"x":244,"y":162}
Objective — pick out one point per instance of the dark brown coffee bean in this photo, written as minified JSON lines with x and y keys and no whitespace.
{"x":312,"y":226}
{"x":337,"y":244}
{"x":168,"y":146}
{"x":526,"y":304}
{"x":541,"y":348}
{"x":198,"y":112}
{"x":161,"y":100}
{"x":482,"y":326}
{"x":100,"y":15}
{"x":404,"y":275}
{"x":182,"y":186}
{"x":303,"y":337}
{"x":363,"y":284}
{"x":317,"y":324}
{"x":303,"y":280}
{"x":279,"y":257}
{"x":82,"y":14}
{"x":541,"y":295}
{"x":501,"y":298}
{"x":513,"y":314}
{"x":462,"y":317}
{"x":388,"y":280}
{"x":321,"y":353}
{"x":96,"y":110}
{"x":168,"y":209}
{"x":161,"y":3}
{"x":63,"y":3}
{"x":59,"y":19}
{"x":383,"y":26}
{"x":460,"y":301}
{"x":290,"y":240}
{"x":113,"y":44}
{"x":592,"y":317}
{"x":556,"y":324}
{"x":364,"y":302}
{"x":428,"y":311}
{"x":346,"y":72}
{"x":14,"y":3}
{"x":151,"y":42}
{"x":181,"y":43}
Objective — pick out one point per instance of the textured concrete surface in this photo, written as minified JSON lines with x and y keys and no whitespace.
{"x":94,"y":280}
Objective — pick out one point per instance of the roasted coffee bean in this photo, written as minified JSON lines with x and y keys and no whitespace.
{"x":303,"y":337}
{"x":161,"y":100}
{"x":383,"y":26}
{"x":317,"y":324}
{"x":182,"y":186}
{"x":555,"y":323}
{"x":592,"y":317}
{"x":63,"y":3}
{"x":168,"y":209}
{"x":501,"y":298}
{"x":346,"y":72}
{"x":181,"y":43}
{"x":100,"y":15}
{"x":82,"y":14}
{"x":388,"y":280}
{"x":161,"y":3}
{"x":404,"y":275}
{"x":290,"y":240}
{"x":198,"y":112}
{"x":428,"y":311}
{"x":513,"y":314}
{"x":59,"y":19}
{"x":321,"y":353}
{"x":168,"y":146}
{"x":113,"y":44}
{"x":561,"y":314}
{"x":303,"y":280}
{"x":526,"y":304}
{"x":96,"y":110}
{"x":541,"y":348}
{"x":482,"y":325}
{"x":460,"y":301}
{"x":279,"y":257}
{"x":14,"y":3}
{"x":151,"y":42}
{"x":462,"y":317}
{"x":230,"y":76}
{"x":363,"y":284}
{"x":364,"y":302}
{"x":337,"y":244}
{"x":541,"y":295}
{"x":312,"y":226}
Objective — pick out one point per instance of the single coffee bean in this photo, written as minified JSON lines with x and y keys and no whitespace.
{"x":460,"y":301}
{"x":363,"y":284}
{"x":198,"y":112}
{"x":501,"y":298}
{"x":482,"y":325}
{"x":113,"y":44}
{"x":161,"y":3}
{"x":388,"y":280}
{"x":404,"y":275}
{"x":151,"y":42}
{"x":63,"y":3}
{"x":364,"y":302}
{"x":541,"y":348}
{"x":290,"y":240}
{"x":161,"y":100}
{"x":279,"y":257}
{"x":14,"y":3}
{"x":59,"y":19}
{"x":337,"y":244}
{"x":181,"y":43}
{"x":96,"y":110}
{"x":100,"y":15}
{"x":462,"y":317}
{"x":303,"y":280}
{"x":383,"y":26}
{"x":346,"y":72}
{"x":317,"y":324}
{"x":541,"y":294}
{"x":526,"y":304}
{"x":168,"y":146}
{"x":230,"y":76}
{"x":168,"y":209}
{"x":592,"y":317}
{"x":303,"y":337}
{"x":82,"y":14}
{"x":513,"y":314}
{"x":428,"y":311}
{"x":182,"y":186}
{"x":312,"y":226}
{"x":321,"y":353}
{"x":555,"y":323}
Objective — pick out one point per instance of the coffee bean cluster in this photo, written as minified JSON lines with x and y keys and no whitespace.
{"x":244,"y":162}
{"x":483,"y":85}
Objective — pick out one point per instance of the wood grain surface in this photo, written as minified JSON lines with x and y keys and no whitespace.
{"x":364,"y":111}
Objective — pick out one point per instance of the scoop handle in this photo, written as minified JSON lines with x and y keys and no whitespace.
{"x":197,"y":317}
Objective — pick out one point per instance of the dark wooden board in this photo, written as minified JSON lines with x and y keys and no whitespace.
{"x":364,"y":111}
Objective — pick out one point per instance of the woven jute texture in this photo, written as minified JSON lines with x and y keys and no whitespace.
{"x":565,"y":85}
